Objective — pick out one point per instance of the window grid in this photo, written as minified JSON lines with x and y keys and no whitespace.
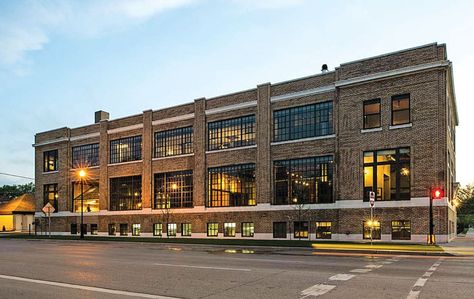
{"x":136,"y":229}
{"x":303,"y":122}
{"x":401,"y":230}
{"x":171,"y":229}
{"x":230,"y":186}
{"x":372,"y":114}
{"x":248,"y":229}
{"x":126,"y":149}
{"x":303,"y":181}
{"x":50,"y":195}
{"x":376,"y":231}
{"x":174,"y":190}
{"x":50,"y":161}
{"x":279,"y":230}
{"x":112,"y":228}
{"x":230,"y":133}
{"x":212,"y":229}
{"x":229,"y":229}
{"x":85,"y":155}
{"x":401,"y":109}
{"x":157,"y":229}
{"x":174,"y":142}
{"x":323,"y":229}
{"x":301,"y":229}
{"x":186,"y":229}
{"x":126,"y":193}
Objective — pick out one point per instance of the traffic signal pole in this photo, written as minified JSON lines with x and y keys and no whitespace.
{"x":431,"y":236}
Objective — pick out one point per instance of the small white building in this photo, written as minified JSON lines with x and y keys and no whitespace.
{"x":18,"y":214}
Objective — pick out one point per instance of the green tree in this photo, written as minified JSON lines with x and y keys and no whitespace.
{"x":465,"y":198}
{"x":8,"y":192}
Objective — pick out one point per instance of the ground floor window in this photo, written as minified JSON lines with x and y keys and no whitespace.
{"x":248,"y":229}
{"x":171,"y":230}
{"x":136,"y":229}
{"x":186,"y":229}
{"x":94,"y":229}
{"x":84,"y":228}
{"x":157,"y":229}
{"x":124,"y":229}
{"x":279,"y":229}
{"x":229,"y":229}
{"x":374,"y":227}
{"x":73,"y":228}
{"x":401,"y":230}
{"x":323,"y":229}
{"x":112,"y":229}
{"x":301,"y":229}
{"x":213,"y":229}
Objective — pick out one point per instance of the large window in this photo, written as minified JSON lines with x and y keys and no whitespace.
{"x":126,"y":193}
{"x":323,"y":229}
{"x":213,"y":229}
{"x":231,"y":186}
{"x":303,"y":122}
{"x":50,"y":161}
{"x":401,"y":230}
{"x":372,"y":114}
{"x":301,"y":229}
{"x":126,"y":149}
{"x":279,"y":229}
{"x":229,"y":133}
{"x":85,"y":155}
{"x":303,"y":181}
{"x":387,"y":173}
{"x":50,"y":195}
{"x":229,"y":229}
{"x":248,"y":229}
{"x":372,"y":227}
{"x":174,"y":142}
{"x":174,"y":190}
{"x":91,"y":196}
{"x":400,"y":109}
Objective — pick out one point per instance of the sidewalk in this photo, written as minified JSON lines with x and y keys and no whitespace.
{"x":461,"y":245}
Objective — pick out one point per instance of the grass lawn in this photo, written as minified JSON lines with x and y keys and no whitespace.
{"x":324,"y":245}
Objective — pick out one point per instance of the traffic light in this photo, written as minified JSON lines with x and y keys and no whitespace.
{"x":437,"y":193}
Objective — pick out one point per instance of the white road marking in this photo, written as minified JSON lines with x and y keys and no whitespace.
{"x":420,"y":282}
{"x":342,"y":277}
{"x":317,"y":290}
{"x":360,"y":270}
{"x":203,"y":267}
{"x":373,"y":266}
{"x":86,"y":288}
{"x":433,"y":268}
{"x":413,"y":295}
{"x":427,"y":274}
{"x":387,"y":263}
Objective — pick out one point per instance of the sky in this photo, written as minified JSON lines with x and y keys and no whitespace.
{"x":62,"y":60}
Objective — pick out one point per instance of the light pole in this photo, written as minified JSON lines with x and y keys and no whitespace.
{"x":82,"y":175}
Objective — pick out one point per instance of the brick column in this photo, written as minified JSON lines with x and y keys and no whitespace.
{"x":199,"y":138}
{"x":147,"y":149}
{"x":264,"y":165}
{"x":104,"y":161}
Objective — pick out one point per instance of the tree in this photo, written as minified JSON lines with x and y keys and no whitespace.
{"x":465,"y":197}
{"x":8,"y":192}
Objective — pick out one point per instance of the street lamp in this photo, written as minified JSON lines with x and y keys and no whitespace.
{"x":82,"y":175}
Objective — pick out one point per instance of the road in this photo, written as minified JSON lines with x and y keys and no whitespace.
{"x":74,"y":269}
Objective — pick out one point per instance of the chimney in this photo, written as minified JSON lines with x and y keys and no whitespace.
{"x":324,"y":68}
{"x":101,"y":115}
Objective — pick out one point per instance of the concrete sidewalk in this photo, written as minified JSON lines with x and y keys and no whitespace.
{"x":461,"y":246}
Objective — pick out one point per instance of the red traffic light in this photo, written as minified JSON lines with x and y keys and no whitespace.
{"x":437,"y":193}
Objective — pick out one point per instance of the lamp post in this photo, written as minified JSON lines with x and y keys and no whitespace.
{"x":82,"y":175}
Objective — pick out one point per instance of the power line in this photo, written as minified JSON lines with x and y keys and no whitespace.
{"x":16,"y":176}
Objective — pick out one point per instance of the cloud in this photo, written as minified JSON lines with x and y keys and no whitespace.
{"x":268,"y":4}
{"x":28,"y":25}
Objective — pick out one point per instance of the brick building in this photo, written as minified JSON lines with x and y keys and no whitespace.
{"x":295,"y":159}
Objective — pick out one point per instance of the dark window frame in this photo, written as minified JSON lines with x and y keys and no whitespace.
{"x":49,"y":189}
{"x":213,"y":230}
{"x":165,"y":196}
{"x":134,"y":153}
{"x":136,"y":229}
{"x":50,"y":160}
{"x":323,"y":235}
{"x":158,"y":227}
{"x":233,"y":229}
{"x":401,"y":235}
{"x":173,"y":232}
{"x":178,"y":141}
{"x":366,"y":115}
{"x":301,"y":224}
{"x":112,"y":229}
{"x":376,"y":232}
{"x":186,"y":229}
{"x":94,"y":229}
{"x":244,"y":228}
{"x":117,"y":199}
{"x":397,"y":98}
{"x":280,"y":233}
{"x":123,"y":229}
{"x":245,"y":127}
{"x":86,"y":155}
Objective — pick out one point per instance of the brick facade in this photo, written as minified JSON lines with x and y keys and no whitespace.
{"x":423,"y":72}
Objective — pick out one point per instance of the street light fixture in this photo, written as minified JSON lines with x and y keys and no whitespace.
{"x":82,"y":175}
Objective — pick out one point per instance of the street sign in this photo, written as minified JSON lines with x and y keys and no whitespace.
{"x":48,"y":209}
{"x":372,"y":198}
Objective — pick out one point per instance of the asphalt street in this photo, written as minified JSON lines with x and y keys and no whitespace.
{"x":74,"y":269}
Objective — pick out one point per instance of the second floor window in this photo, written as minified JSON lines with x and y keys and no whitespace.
{"x":400,"y":109}
{"x":229,"y":133}
{"x":174,"y":142}
{"x":372,"y":114}
{"x":303,"y":122}
{"x":50,"y":195}
{"x":126,"y":193}
{"x":126,"y":149}
{"x":50,"y":161}
{"x":174,"y":190}
{"x":231,"y":186}
{"x":85,"y":155}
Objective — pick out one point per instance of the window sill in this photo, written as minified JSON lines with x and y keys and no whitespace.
{"x":50,"y":172}
{"x":90,"y":167}
{"x":303,"y":139}
{"x":123,"y":163}
{"x":231,"y":149}
{"x":171,"y":157}
{"x":371,"y":130}
{"x":409,"y":125}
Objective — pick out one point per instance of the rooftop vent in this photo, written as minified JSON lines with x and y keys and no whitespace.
{"x":324,"y":68}
{"x":101,"y":115}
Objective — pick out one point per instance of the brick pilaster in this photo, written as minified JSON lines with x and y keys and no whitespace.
{"x":263,"y":170}
{"x":199,"y":139}
{"x":147,"y":149}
